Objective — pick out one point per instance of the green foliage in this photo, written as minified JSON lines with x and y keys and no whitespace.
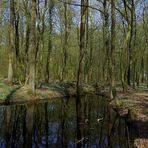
{"x":5,"y":90}
{"x":52,"y":27}
{"x":41,"y":94}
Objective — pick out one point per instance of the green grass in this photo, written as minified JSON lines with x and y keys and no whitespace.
{"x":40,"y":94}
{"x":2,"y":96}
{"x":5,"y":90}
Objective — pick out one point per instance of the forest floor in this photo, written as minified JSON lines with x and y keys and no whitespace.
{"x":138,"y":104}
{"x":136,"y":101}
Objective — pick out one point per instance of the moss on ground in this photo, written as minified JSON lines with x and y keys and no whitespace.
{"x":5,"y":90}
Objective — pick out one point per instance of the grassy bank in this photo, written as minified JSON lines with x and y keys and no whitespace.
{"x":6,"y":89}
{"x":55,"y":89}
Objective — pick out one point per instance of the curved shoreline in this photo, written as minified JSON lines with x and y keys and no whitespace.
{"x":51,"y":91}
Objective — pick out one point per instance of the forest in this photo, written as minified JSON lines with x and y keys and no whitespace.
{"x":75,"y":48}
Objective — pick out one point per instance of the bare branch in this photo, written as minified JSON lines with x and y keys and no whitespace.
{"x":79,"y":5}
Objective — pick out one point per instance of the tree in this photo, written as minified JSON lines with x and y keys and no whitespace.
{"x":11,"y":42}
{"x":65,"y":43}
{"x":106,"y":35}
{"x":50,"y":10}
{"x":112,"y":50}
{"x":80,"y":76}
{"x":32,"y":50}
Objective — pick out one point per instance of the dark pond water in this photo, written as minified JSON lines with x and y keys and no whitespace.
{"x":54,"y":124}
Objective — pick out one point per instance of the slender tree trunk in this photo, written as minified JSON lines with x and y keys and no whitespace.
{"x":65,"y":43}
{"x":32,"y":52}
{"x":17,"y":33}
{"x":11,"y":42}
{"x":112,"y":60}
{"x":80,"y":76}
{"x":106,"y":35}
{"x":17,"y":42}
{"x":90,"y":52}
{"x":47,"y":73}
{"x":27,"y":40}
{"x":87,"y":61}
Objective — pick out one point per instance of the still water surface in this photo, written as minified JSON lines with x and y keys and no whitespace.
{"x":53,"y":124}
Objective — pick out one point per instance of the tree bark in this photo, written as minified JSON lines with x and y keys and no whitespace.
{"x":11,"y":42}
{"x":47,"y":73}
{"x":32,"y":52}
{"x":65,"y":45}
{"x":80,"y":76}
{"x":112,"y":60}
{"x":106,"y":36}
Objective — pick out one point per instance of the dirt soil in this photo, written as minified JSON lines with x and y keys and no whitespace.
{"x":138,"y":103}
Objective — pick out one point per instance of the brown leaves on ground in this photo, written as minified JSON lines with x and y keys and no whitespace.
{"x":140,"y":102}
{"x":141,"y":143}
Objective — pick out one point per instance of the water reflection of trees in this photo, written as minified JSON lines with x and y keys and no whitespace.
{"x":53,"y":124}
{"x":111,"y":132}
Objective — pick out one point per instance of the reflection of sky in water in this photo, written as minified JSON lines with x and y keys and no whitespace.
{"x":54,"y":123}
{"x":53,"y":132}
{"x":2,"y":142}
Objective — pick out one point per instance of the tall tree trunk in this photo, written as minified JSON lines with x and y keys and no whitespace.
{"x":25,"y":59}
{"x":87,"y":60}
{"x":17,"y":33}
{"x":65,"y":43}
{"x":17,"y":41}
{"x":80,"y":76}
{"x":130,"y":47}
{"x":90,"y":51}
{"x":11,"y":42}
{"x":106,"y":36}
{"x":112,"y":60}
{"x":130,"y":17}
{"x":32,"y":52}
{"x":47,"y":73}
